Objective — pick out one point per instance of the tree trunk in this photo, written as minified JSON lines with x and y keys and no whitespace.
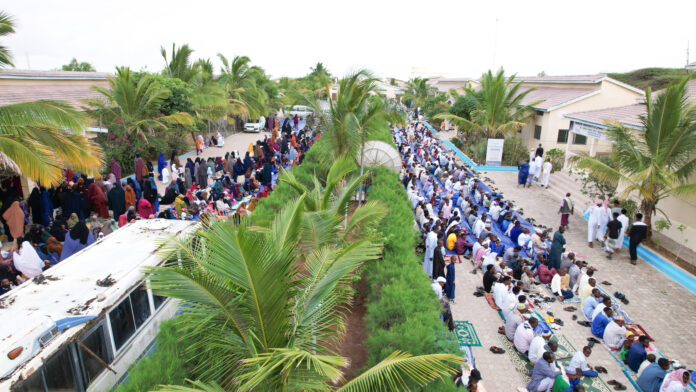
{"x":648,"y":210}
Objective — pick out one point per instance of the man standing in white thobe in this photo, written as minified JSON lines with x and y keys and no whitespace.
{"x":624,"y":226}
{"x":430,"y":245}
{"x":538,"y":163}
{"x":547,"y":167}
{"x":594,"y":222}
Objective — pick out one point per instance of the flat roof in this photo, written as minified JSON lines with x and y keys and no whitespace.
{"x":70,"y":288}
{"x":628,"y":116}
{"x":54,"y":75}
{"x":553,"y":97}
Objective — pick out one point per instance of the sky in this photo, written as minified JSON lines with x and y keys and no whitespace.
{"x":452,"y":38}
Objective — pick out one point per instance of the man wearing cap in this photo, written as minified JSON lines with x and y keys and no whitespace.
{"x":438,"y":284}
{"x":615,"y":333}
{"x":514,"y":320}
{"x":536,"y":347}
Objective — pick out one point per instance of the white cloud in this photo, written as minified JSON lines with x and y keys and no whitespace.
{"x":387,"y":37}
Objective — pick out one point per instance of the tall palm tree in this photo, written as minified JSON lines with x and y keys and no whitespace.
{"x":267,"y":311}
{"x":135,"y":104}
{"x":499,"y":109}
{"x":417,"y":90}
{"x":179,"y":66}
{"x":34,"y":136}
{"x":655,"y":163}
{"x":239,"y":80}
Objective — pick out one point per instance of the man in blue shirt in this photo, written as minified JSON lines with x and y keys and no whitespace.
{"x":636,"y":354}
{"x":591,"y":303}
{"x":600,"y":322}
{"x":515,"y":232}
{"x":651,"y":378}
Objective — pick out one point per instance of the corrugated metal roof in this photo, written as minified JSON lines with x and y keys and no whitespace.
{"x":626,"y":115}
{"x":56,"y":75}
{"x":552,"y":97}
{"x":73,"y":93}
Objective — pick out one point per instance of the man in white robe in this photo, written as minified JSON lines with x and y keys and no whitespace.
{"x":538,"y":163}
{"x":430,"y":245}
{"x":624,"y":226}
{"x":547,"y":167}
{"x":594,"y":222}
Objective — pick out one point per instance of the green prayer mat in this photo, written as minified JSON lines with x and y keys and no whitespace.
{"x":563,"y":355}
{"x":466,"y":334}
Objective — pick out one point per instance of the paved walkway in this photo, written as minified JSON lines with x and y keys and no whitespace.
{"x":662,"y":306}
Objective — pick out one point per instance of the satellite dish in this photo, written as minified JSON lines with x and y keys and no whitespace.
{"x":378,"y":153}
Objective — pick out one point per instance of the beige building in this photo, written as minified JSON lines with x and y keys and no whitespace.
{"x":18,"y":86}
{"x":594,"y":123}
{"x":445,"y":85}
{"x":556,"y":96}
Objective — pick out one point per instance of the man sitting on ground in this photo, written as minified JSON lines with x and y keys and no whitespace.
{"x":578,"y":367}
{"x":560,"y":285}
{"x":524,"y":335}
{"x":514,"y":320}
{"x":636,"y":354}
{"x":537,"y":347}
{"x":653,"y":375}
{"x":650,"y":358}
{"x":615,"y":333}
{"x":600,"y":322}
{"x":438,"y":284}
{"x":543,"y":376}
{"x":543,"y":272}
{"x":588,"y":290}
{"x":501,"y":289}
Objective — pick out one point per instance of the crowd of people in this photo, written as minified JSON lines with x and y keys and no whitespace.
{"x":54,"y":223}
{"x":458,"y":215}
{"x":535,"y":169}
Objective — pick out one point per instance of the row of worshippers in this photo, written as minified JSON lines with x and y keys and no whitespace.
{"x":463,"y":194}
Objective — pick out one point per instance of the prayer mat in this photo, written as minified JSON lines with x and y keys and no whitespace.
{"x":563,"y":355}
{"x":466,"y":334}
{"x":491,"y":301}
{"x":638,"y":330}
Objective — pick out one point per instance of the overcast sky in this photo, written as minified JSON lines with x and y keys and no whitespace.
{"x":454,"y":38}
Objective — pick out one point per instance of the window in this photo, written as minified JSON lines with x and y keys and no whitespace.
{"x":58,"y":372}
{"x":537,"y":132}
{"x":579,"y":139}
{"x":95,"y":341}
{"x":33,"y":384}
{"x":122,"y":323}
{"x":539,"y":113}
{"x":158,"y":300}
{"x":141,"y":305}
{"x":562,"y":136}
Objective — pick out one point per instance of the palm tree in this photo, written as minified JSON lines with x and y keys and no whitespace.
{"x":499,"y":109}
{"x":417,"y":90}
{"x":38,"y":139}
{"x":6,"y":28}
{"x":267,"y":308}
{"x":135,"y":104}
{"x":239,"y":80}
{"x":179,"y":66}
{"x":655,"y":163}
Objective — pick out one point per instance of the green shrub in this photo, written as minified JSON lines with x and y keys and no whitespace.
{"x":165,"y":364}
{"x":457,"y":143}
{"x":514,"y":151}
{"x":557,"y":158}
{"x":403,"y":312}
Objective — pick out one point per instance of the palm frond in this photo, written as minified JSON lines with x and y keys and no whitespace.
{"x":400,"y":371}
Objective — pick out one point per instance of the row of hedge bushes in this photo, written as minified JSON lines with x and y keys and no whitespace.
{"x":402,"y":308}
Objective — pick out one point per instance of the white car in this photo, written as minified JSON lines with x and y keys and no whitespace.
{"x":255,"y":126}
{"x":301,"y":111}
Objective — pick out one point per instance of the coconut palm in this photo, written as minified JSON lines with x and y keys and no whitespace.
{"x":179,"y":66}
{"x":655,"y":163}
{"x":135,"y":103}
{"x":416,"y":91}
{"x":6,"y":28}
{"x":499,"y":110}
{"x":267,"y":312}
{"x":239,"y":80}
{"x":34,"y":136}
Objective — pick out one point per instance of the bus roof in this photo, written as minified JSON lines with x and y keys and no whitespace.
{"x":70,"y":289}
